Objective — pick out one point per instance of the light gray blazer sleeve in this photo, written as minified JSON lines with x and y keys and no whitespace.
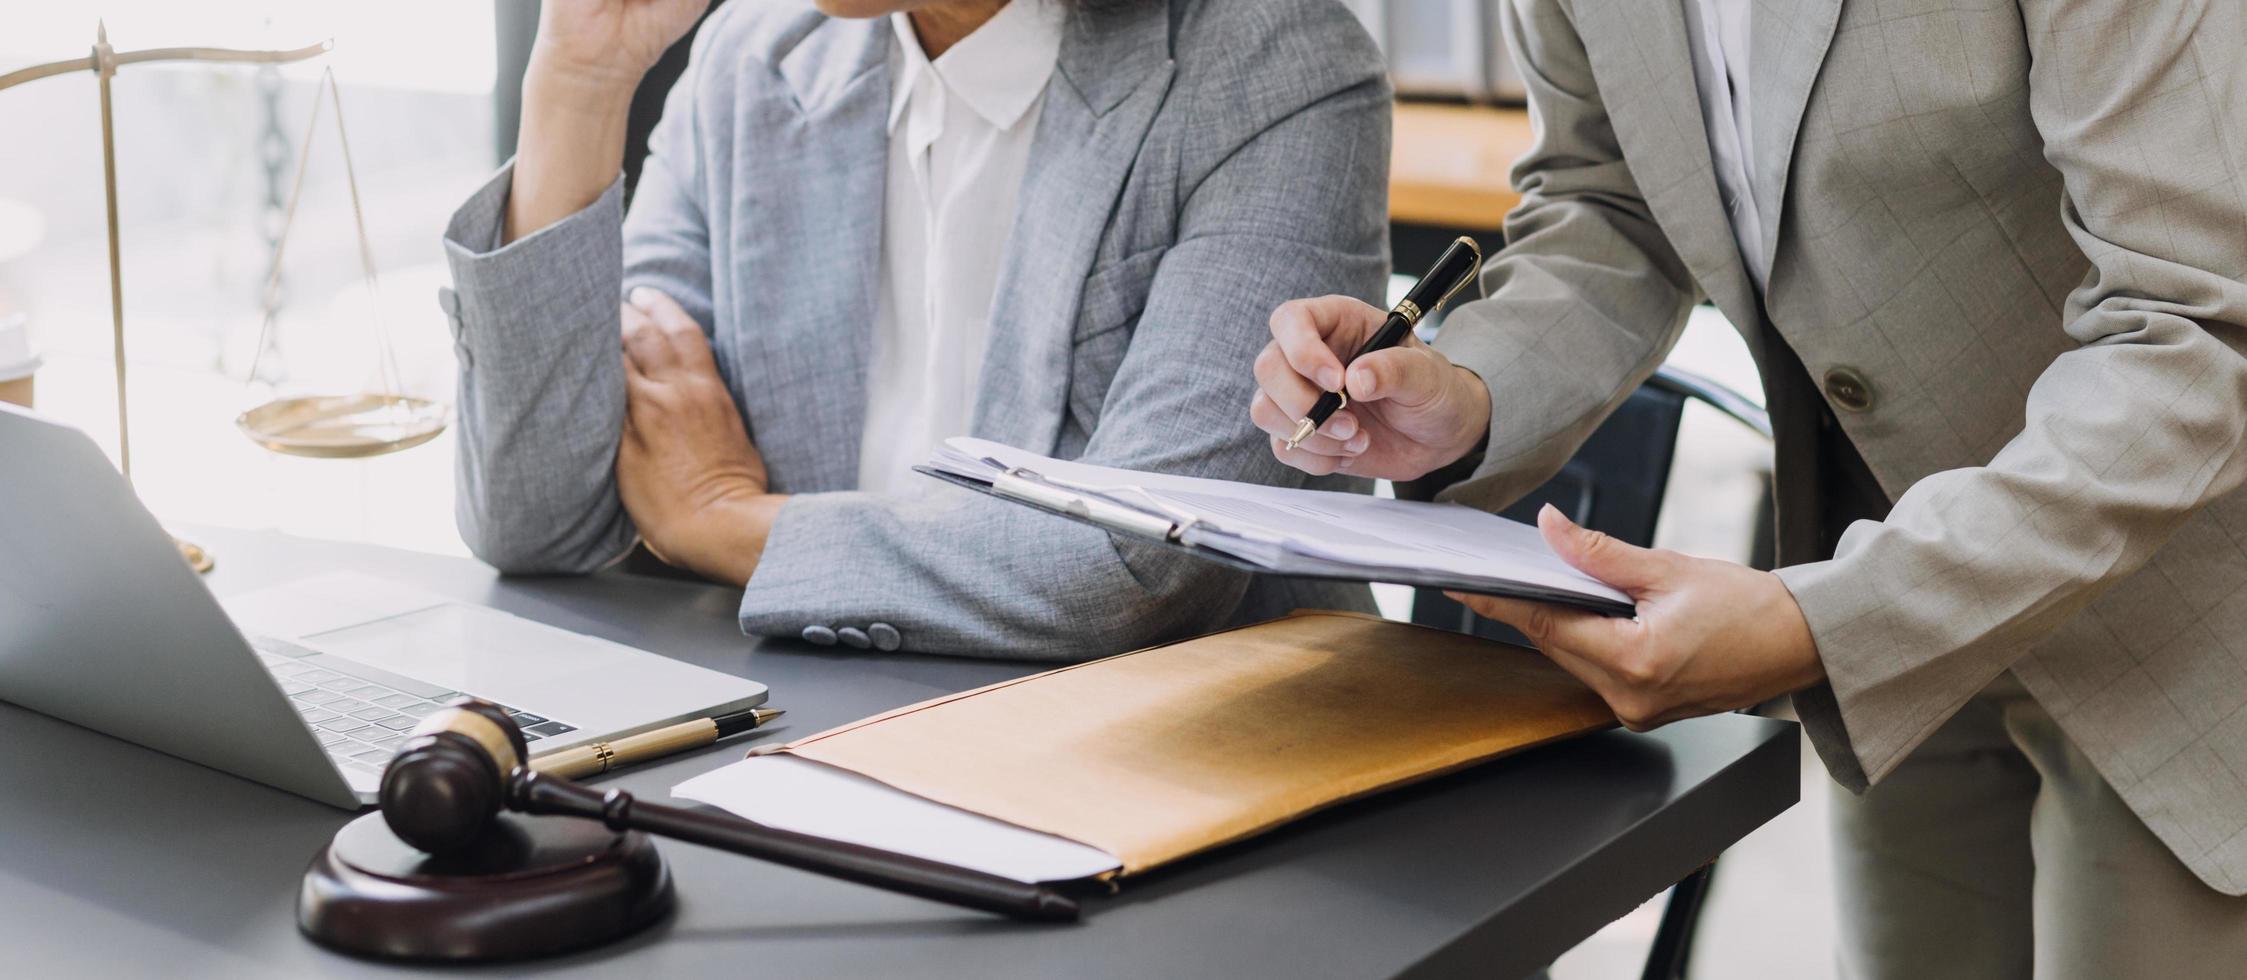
{"x":541,"y":397}
{"x":2126,"y":436}
{"x":1586,"y":298}
{"x":1297,"y":207}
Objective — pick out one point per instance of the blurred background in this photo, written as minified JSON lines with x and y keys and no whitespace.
{"x":206,"y":156}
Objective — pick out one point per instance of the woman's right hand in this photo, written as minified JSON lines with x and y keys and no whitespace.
{"x":577,"y":94}
{"x":1411,"y":410}
{"x":611,"y":42}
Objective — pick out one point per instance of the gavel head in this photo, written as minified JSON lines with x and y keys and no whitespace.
{"x":449,"y":778}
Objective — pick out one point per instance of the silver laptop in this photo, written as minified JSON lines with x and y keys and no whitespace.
{"x":306,"y":687}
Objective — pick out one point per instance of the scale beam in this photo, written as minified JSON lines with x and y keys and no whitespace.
{"x":238,"y":56}
{"x":104,"y":62}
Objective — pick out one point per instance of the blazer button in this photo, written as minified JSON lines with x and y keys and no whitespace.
{"x":820,"y":635}
{"x":1848,"y":390}
{"x":854,"y":637}
{"x":885,"y":636}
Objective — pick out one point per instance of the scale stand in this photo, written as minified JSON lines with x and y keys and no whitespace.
{"x":352,"y":426}
{"x":103,"y":62}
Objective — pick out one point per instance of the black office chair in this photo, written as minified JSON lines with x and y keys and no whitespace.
{"x":1614,"y":484}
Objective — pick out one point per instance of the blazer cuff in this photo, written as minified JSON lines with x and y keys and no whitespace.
{"x":476,"y":225}
{"x":1820,"y":713}
{"x":491,"y":280}
{"x":1857,"y":745}
{"x":1478,"y":479}
{"x":1449,"y":475}
{"x":773,"y":602}
{"x":959,"y":573}
{"x":1883,"y":694}
{"x":796,"y":592}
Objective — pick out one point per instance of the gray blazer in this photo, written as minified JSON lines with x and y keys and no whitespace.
{"x":1197,"y":163}
{"x":2011,"y":240}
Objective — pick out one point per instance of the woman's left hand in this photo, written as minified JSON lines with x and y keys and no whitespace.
{"x":686,"y":470}
{"x":1709,"y":636}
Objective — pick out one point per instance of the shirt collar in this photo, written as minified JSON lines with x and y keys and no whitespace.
{"x":999,"y":70}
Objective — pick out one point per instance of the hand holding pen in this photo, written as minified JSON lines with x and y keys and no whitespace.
{"x":1377,"y":400}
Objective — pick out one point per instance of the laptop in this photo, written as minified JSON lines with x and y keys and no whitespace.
{"x":307,"y":687}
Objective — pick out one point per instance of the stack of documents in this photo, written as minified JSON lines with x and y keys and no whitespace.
{"x":789,"y":793}
{"x":1305,"y":533}
{"x":1118,"y":766}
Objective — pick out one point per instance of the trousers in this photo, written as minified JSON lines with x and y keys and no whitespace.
{"x":1997,"y":851}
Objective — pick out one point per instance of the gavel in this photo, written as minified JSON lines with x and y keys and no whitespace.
{"x":465,"y":764}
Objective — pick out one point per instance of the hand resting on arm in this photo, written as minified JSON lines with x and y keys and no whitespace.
{"x":686,"y":470}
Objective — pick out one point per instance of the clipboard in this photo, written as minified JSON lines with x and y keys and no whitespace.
{"x":1024,"y":489}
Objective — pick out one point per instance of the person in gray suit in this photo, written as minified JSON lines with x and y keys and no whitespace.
{"x":1991,"y":258}
{"x":868,"y":225}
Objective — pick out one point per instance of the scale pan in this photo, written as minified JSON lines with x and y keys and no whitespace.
{"x":343,"y":426}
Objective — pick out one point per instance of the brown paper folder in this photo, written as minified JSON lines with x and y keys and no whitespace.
{"x":1165,"y":752}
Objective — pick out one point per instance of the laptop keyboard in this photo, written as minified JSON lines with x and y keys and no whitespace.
{"x":359,"y":720}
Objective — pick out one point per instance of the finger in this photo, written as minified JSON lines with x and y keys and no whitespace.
{"x":1274,"y":422}
{"x":629,"y":446}
{"x":629,"y":319}
{"x":643,"y":398}
{"x":1635,"y":707}
{"x":1602,"y":640}
{"x":1269,"y":417}
{"x":679,"y":328}
{"x":1325,"y":445}
{"x":1308,"y":462}
{"x":1311,"y":332}
{"x":1405,"y":376}
{"x":1292,"y":393}
{"x":1625,"y":566}
{"x":1593,"y":673}
{"x":644,"y":345}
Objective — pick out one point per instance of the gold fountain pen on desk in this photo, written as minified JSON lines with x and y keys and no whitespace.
{"x":1453,"y":270}
{"x":599,"y":757}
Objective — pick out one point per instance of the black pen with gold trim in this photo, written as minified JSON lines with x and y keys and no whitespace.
{"x":595,"y":758}
{"x":1453,"y":270}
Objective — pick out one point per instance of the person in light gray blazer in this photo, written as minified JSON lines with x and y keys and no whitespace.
{"x":1992,"y":260}
{"x":1194,"y":163}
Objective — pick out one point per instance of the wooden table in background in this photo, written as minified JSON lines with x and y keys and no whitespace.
{"x":1449,"y":176}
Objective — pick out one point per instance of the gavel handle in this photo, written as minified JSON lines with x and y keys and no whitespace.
{"x":535,"y":793}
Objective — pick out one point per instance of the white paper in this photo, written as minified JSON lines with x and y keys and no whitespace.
{"x":1251,"y":520}
{"x":808,"y":797}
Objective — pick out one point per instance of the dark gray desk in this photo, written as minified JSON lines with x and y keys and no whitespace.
{"x":119,"y":861}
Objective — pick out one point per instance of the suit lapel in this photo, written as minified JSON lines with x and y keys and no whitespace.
{"x":1639,"y":53}
{"x":1787,"y":44}
{"x":1114,"y":71}
{"x":808,"y":233}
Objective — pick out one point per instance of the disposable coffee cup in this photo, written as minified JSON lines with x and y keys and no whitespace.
{"x":18,"y":361}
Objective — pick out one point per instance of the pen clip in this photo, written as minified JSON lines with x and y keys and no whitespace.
{"x":1473,"y":269}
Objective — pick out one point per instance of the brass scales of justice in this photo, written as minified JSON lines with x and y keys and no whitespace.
{"x":347,"y":426}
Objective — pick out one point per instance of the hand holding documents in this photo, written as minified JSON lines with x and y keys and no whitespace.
{"x":1306,"y":533}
